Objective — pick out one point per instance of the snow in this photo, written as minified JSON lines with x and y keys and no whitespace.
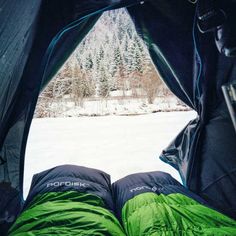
{"x":116,"y":106}
{"x":118,"y":145}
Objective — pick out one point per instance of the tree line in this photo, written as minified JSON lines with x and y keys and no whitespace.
{"x":112,"y":57}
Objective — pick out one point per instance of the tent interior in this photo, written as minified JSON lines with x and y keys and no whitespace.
{"x":194,"y":54}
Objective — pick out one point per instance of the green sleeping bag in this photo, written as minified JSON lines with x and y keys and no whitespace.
{"x":155,"y":204}
{"x":149,"y":214}
{"x":68,"y":200}
{"x":66,"y":213}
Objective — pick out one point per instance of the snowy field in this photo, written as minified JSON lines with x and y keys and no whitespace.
{"x":118,"y":145}
{"x":114,"y":106}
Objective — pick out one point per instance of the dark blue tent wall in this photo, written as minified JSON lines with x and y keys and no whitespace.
{"x":36,"y":38}
{"x":16,"y":37}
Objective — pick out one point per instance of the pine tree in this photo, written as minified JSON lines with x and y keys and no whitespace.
{"x":103,"y":83}
{"x":88,"y":62}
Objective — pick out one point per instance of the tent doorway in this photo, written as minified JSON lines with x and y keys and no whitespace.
{"x":85,"y":115}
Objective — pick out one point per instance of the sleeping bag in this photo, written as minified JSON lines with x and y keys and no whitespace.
{"x":68,"y":200}
{"x":154,"y":204}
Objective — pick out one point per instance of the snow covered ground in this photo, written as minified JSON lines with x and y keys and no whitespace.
{"x":113,"y":105}
{"x":118,"y":145}
{"x":131,"y":106}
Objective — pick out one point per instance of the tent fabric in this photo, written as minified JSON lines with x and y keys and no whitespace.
{"x":154,"y":203}
{"x":36,"y":37}
{"x":68,"y":200}
{"x":201,"y":145}
{"x":11,"y":204}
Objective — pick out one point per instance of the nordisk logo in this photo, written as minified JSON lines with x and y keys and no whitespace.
{"x":154,"y":189}
{"x":67,"y":184}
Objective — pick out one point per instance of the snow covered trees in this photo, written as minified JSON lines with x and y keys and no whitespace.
{"x":112,"y":57}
